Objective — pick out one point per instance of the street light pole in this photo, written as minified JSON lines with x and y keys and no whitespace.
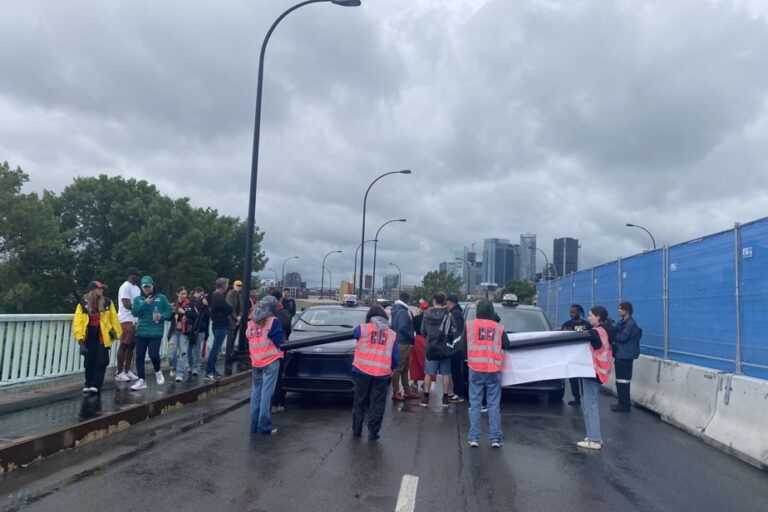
{"x":546,"y":278}
{"x":322,"y":273}
{"x":362,"y":235}
{"x":653,"y":240}
{"x":251,"y":222}
{"x":357,"y":251}
{"x":399,"y":279}
{"x":375,"y":250}
{"x":282,"y":280}
{"x":469,"y":272}
{"x":277,"y":277}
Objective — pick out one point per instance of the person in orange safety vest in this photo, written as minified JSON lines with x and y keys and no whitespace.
{"x":265,"y":336}
{"x":600,"y":347}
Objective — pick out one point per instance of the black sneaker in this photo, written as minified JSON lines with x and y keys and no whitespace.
{"x":574,"y":402}
{"x":455,"y":399}
{"x":424,"y":401}
{"x":620,"y":408}
{"x":446,"y":401}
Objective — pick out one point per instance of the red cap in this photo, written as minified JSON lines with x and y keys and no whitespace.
{"x":423,"y":305}
{"x":96,"y":284}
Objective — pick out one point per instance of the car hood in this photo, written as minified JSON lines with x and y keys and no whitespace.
{"x":337,"y":347}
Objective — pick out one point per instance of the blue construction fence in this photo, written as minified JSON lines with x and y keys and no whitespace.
{"x":702,"y":302}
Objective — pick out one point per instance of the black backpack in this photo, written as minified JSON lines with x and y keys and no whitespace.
{"x":444,"y":346}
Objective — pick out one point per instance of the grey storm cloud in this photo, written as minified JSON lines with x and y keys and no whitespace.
{"x":566,"y":117}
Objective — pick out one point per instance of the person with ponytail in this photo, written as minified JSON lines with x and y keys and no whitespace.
{"x":600,"y":347}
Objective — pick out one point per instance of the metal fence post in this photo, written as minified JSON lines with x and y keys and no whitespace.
{"x":737,"y":267}
{"x":571,"y":287}
{"x":592,"y":289}
{"x":665,"y":296}
{"x":621,"y":283}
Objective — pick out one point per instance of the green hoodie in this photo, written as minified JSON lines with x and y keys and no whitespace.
{"x":146,"y":326}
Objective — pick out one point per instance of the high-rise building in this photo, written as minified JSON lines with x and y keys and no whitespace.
{"x":527,"y":256}
{"x":500,"y":261}
{"x":565,"y":256}
{"x":391,"y":281}
{"x":293,"y":280}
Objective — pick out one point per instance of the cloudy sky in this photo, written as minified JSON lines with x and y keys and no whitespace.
{"x":554,"y":117}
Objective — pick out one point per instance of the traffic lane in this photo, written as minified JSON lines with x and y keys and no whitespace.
{"x":314,"y":463}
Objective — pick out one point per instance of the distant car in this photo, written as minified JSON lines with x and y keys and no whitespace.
{"x":521,"y":318}
{"x":323,"y":368}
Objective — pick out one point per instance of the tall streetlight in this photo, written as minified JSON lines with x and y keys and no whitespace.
{"x":399,"y":279}
{"x":248,"y":263}
{"x":653,"y":240}
{"x":322,"y":274}
{"x":282,"y":281}
{"x":357,"y":251}
{"x":546,"y":277}
{"x":469,"y":271}
{"x":330,"y":280}
{"x":375,"y":248}
{"x":277,"y":277}
{"x":362,"y":236}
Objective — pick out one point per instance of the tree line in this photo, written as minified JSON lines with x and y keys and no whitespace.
{"x":52,"y":246}
{"x":436,"y":281}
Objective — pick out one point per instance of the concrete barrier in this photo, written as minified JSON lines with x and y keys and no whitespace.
{"x":740,"y":423}
{"x":645,"y":380}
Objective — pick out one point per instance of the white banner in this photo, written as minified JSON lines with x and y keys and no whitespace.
{"x":546,"y":363}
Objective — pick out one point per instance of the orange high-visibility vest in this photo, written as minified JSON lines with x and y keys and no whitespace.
{"x":263,"y":351}
{"x":601,"y":358}
{"x":484,"y":353}
{"x":373,"y":352}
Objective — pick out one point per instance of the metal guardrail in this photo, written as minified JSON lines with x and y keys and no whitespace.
{"x":35,"y":347}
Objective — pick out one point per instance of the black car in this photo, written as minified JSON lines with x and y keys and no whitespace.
{"x":521,"y":318}
{"x":322,"y":368}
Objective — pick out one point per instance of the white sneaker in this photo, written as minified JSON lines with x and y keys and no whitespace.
{"x":179,"y":379}
{"x":195,"y":372}
{"x":132,"y":376}
{"x":93,"y":390}
{"x":171,"y":373}
{"x":160,"y":378}
{"x":86,"y":390}
{"x":122,"y":377}
{"x":140,"y":384}
{"x":474,"y":444}
{"x":590,"y":445}
{"x":496,"y":444}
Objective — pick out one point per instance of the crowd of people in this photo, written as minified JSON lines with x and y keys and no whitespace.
{"x":393,"y":348}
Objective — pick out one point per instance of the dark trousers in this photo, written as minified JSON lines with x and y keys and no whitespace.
{"x":278,"y":397}
{"x":457,"y":374}
{"x":142,"y":345}
{"x":371,"y":399}
{"x":623,"y":380}
{"x":96,"y":360}
{"x":575,"y":390}
{"x":231,"y":337}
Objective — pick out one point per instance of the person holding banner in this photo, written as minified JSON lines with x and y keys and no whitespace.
{"x":600,"y":347}
{"x":485,"y":341}
{"x":576,"y":323}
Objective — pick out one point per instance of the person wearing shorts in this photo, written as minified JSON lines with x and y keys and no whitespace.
{"x":129,"y":290}
{"x":434,"y":322}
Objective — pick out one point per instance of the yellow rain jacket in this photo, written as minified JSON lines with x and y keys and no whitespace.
{"x":110,"y":326}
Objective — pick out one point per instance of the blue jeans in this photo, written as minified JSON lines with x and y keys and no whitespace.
{"x":194,"y":352}
{"x":589,"y":390}
{"x":219,"y":335}
{"x":489,"y":384}
{"x":263,"y":382}
{"x":178,"y":348}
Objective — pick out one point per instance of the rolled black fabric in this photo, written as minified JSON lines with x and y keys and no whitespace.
{"x":318,"y":340}
{"x":546,"y":338}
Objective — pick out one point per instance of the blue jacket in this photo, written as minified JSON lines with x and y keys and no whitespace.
{"x":402,"y":323}
{"x":626,"y":339}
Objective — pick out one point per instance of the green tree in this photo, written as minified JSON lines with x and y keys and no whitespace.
{"x":436,"y":281}
{"x":525,"y":290}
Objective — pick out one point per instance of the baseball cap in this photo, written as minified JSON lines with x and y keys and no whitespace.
{"x":93,"y":285}
{"x":237,"y":283}
{"x":147,"y":281}
{"x":423,"y":305}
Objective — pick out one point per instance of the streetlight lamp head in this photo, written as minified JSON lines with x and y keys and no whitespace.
{"x":629,"y":225}
{"x":405,"y":171}
{"x":402,"y":220}
{"x":347,"y":3}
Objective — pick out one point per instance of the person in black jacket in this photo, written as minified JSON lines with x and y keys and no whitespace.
{"x":201,"y":328}
{"x":284,"y":317}
{"x":576,"y":323}
{"x":221,"y":312}
{"x":626,"y":348}
{"x":457,"y":360}
{"x":402,"y":324}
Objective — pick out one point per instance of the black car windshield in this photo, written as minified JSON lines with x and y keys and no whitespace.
{"x":518,"y":320}
{"x":329,"y":320}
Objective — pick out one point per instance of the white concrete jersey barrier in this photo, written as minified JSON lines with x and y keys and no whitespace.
{"x":740,"y":423}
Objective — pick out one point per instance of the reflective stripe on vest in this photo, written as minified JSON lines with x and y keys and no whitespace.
{"x":263,"y":351}
{"x":373,"y":352}
{"x":601,"y":358}
{"x":484,"y":353}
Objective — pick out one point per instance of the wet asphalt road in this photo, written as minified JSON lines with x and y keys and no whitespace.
{"x":313,"y":463}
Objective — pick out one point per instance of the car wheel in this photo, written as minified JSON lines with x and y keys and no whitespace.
{"x":556,"y":395}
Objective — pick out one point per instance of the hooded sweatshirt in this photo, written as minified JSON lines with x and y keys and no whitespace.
{"x":430,"y":326}
{"x":402,"y":323}
{"x":380,"y":323}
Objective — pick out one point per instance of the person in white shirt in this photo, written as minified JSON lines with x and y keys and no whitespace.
{"x":128,"y":291}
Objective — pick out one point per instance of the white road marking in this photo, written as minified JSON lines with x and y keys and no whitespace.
{"x":406,"y":500}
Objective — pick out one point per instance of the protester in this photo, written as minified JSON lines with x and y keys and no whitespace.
{"x":376,"y":354}
{"x":600,"y":347}
{"x":221,"y":313}
{"x":576,"y":323}
{"x":419,"y":349}
{"x":457,"y":360}
{"x":282,"y":315}
{"x":439,"y":329}
{"x":626,"y":348}
{"x":180,"y":334}
{"x":234,"y":298}
{"x":485,"y":340}
{"x":128,"y":291}
{"x":201,"y":328}
{"x":95,"y":326}
{"x":253,"y":299}
{"x":402,"y":324}
{"x":289,"y":303}
{"x":265,"y":336}
{"x":151,"y":309}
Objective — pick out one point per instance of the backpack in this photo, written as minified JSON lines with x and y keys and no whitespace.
{"x":444,"y":346}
